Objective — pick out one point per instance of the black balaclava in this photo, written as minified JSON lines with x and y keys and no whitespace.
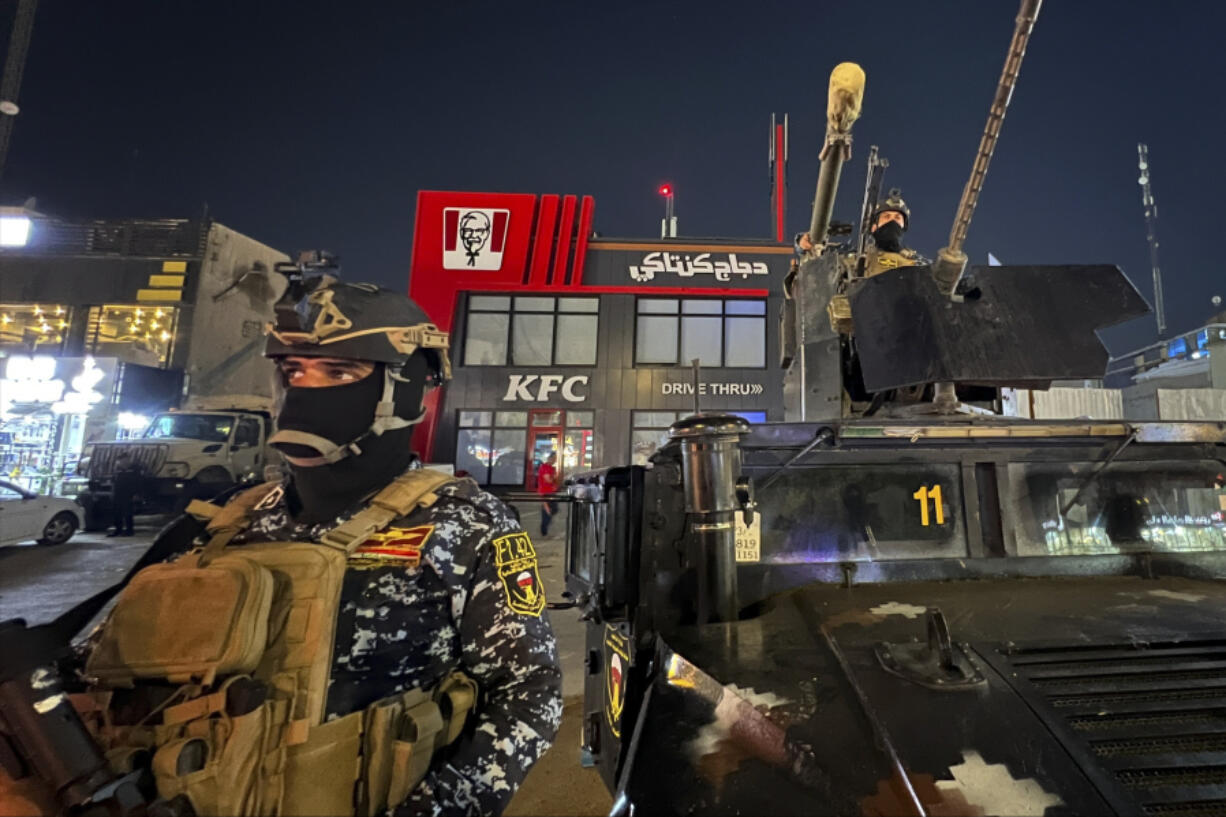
{"x":888,"y":237}
{"x":344,"y":414}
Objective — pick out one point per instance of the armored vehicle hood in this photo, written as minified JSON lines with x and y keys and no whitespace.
{"x":1082,"y":695}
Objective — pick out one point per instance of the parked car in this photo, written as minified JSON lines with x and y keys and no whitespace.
{"x":51,"y":520}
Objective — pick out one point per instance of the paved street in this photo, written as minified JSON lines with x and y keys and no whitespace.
{"x":39,"y":582}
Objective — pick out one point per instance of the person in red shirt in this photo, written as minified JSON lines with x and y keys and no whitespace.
{"x":546,"y":484}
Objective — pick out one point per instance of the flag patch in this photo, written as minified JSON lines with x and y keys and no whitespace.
{"x":404,"y":545}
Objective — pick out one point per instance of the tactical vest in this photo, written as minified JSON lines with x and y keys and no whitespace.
{"x":878,"y":261}
{"x":239,"y":641}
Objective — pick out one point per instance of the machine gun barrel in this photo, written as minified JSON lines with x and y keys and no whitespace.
{"x":842,"y":110}
{"x":951,"y":260}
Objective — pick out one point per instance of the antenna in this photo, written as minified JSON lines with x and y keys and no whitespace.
{"x":778,"y":161}
{"x":668,"y":227}
{"x":1151,"y":234}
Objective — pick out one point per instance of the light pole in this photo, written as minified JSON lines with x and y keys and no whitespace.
{"x":668,"y":227}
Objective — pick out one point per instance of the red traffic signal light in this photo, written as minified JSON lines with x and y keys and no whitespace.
{"x":666,"y":190}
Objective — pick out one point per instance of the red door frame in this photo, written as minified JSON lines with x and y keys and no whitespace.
{"x":533,"y":432}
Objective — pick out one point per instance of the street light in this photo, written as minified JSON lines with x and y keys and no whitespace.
{"x":668,"y":227}
{"x":14,"y":231}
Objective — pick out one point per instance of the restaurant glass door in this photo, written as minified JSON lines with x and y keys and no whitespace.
{"x":544,"y":438}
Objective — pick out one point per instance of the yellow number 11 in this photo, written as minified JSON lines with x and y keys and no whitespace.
{"x":923,"y":495}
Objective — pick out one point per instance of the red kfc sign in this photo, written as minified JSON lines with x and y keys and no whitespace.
{"x":474,"y":238}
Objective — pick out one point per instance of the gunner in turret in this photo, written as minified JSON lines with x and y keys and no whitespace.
{"x":891,"y":219}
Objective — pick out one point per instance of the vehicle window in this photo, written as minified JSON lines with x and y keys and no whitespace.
{"x":863,"y":513}
{"x":9,"y":493}
{"x":248,"y":433}
{"x":213,"y":428}
{"x":1130,"y":507}
{"x":588,"y":524}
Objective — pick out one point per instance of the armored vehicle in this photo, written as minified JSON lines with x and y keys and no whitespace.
{"x":901,"y":603}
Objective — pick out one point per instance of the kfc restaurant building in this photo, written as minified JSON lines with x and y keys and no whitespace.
{"x":567,"y":342}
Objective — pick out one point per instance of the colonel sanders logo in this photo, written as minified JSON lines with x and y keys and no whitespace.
{"x":474,"y":239}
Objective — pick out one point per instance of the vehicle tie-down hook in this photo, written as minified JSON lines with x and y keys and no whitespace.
{"x":936,"y":663}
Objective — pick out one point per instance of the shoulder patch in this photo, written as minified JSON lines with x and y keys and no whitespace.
{"x":399,"y":545}
{"x":515,"y":559}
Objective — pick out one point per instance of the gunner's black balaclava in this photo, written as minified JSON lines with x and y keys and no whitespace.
{"x":888,"y":237}
{"x":344,"y":414}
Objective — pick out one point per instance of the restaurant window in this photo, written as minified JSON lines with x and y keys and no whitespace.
{"x":531,"y":331}
{"x":137,"y":334}
{"x":33,"y":327}
{"x":719,"y":333}
{"x":494,"y":447}
{"x":490,"y":446}
{"x":649,"y":429}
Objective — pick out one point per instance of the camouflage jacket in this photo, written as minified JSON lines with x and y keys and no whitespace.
{"x":451,"y":586}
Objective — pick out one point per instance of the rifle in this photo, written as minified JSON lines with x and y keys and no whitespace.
{"x":872,"y":192}
{"x":41,"y":733}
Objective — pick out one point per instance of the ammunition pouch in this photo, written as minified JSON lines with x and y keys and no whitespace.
{"x":839,"y":310}
{"x":239,"y":642}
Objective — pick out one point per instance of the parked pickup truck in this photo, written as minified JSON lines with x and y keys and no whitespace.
{"x":183,"y":455}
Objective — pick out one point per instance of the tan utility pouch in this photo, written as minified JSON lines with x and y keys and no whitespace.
{"x":402,"y":735}
{"x":218,"y":759}
{"x":184,"y":622}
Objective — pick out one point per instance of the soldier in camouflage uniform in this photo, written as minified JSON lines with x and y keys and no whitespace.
{"x":891,"y":219}
{"x":451,"y":585}
{"x":433,"y":593}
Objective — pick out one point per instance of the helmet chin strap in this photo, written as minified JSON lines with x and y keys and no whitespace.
{"x":330,"y":452}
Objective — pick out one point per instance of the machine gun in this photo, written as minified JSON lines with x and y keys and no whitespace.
{"x":903,"y":342}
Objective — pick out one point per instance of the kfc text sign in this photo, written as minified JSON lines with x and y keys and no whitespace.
{"x":474,"y":238}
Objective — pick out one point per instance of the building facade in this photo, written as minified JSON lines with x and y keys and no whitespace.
{"x":105,"y":322}
{"x":567,"y":342}
{"x":1195,"y":359}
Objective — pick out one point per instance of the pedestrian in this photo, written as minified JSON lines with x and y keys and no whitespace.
{"x":547,"y":485}
{"x":403,"y":660}
{"x":125,"y":484}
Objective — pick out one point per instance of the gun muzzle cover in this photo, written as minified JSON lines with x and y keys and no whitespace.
{"x":1017,"y":326}
{"x":845,"y":97}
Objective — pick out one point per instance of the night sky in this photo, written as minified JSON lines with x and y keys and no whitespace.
{"x":313,"y":124}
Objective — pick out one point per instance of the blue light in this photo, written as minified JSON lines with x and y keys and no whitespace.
{"x":1202,"y":339}
{"x":1177,"y":347}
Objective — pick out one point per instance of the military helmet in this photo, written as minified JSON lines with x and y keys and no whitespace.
{"x":894,"y":203}
{"x":319,"y":316}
